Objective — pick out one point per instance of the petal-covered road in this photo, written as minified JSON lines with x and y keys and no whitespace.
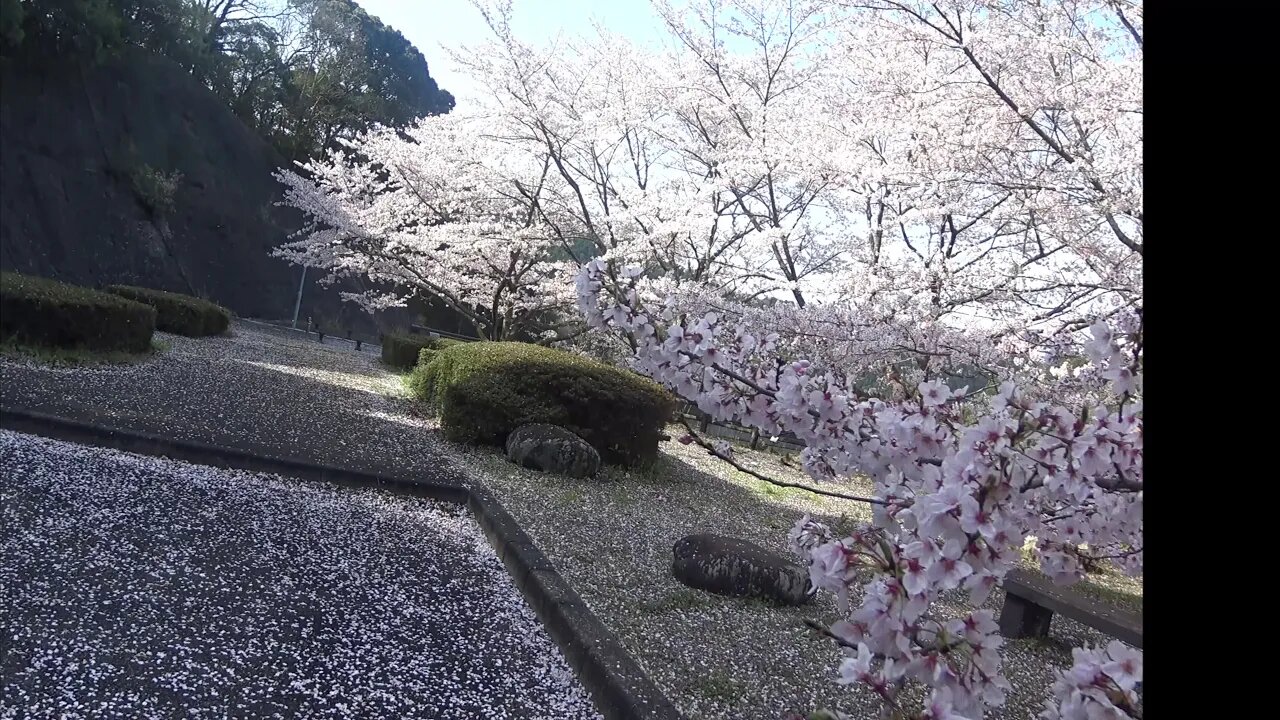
{"x":134,"y":587}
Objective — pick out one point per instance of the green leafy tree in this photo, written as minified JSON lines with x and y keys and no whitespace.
{"x":49,"y":28}
{"x":301,"y":72}
{"x":351,"y":71}
{"x":11,"y":13}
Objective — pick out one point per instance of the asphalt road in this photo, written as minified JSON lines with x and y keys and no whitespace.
{"x":134,"y":587}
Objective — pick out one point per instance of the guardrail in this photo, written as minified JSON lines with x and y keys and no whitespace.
{"x":424,"y":330}
{"x":359,"y":343}
{"x":787,"y":442}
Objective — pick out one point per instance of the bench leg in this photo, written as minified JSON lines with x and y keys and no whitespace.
{"x":1021,"y":618}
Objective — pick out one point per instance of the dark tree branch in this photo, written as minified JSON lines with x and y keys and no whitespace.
{"x":780,"y":483}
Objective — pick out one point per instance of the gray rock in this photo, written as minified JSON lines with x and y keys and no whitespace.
{"x":728,"y":566}
{"x":553,"y":449}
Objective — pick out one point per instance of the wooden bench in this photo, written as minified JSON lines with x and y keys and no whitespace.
{"x":1031,"y":600}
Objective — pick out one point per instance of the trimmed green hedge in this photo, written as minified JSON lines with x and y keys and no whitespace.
{"x":404,"y":351}
{"x":40,"y":311}
{"x":484,"y":390}
{"x":178,"y":313}
{"x":428,"y":353}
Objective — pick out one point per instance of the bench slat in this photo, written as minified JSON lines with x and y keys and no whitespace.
{"x":1120,"y":624}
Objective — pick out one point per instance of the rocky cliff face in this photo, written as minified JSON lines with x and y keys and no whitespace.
{"x":77,"y":142}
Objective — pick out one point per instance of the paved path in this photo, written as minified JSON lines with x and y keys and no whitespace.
{"x":135,"y":587}
{"x":259,"y":390}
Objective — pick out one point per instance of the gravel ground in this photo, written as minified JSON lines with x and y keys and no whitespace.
{"x":139,"y":587}
{"x":610,"y":538}
{"x":259,"y":389}
{"x":720,"y":657}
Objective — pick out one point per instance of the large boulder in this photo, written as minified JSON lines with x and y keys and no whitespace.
{"x":729,"y":566}
{"x":553,"y":449}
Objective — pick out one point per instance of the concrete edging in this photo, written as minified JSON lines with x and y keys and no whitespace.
{"x":619,"y":687}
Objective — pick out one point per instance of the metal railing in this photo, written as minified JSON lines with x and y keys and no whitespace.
{"x":787,"y":442}
{"x":424,"y":330}
{"x":360,"y":343}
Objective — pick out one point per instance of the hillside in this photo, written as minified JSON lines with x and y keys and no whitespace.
{"x":74,"y":139}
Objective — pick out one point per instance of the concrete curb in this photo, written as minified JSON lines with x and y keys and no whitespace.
{"x":620,"y":688}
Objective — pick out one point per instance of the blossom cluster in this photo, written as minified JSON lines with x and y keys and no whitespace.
{"x":962,"y":480}
{"x":1101,"y":684}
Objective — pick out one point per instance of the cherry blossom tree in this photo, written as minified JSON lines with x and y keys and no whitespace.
{"x":621,"y":156}
{"x":787,"y":198}
{"x":970,"y":162}
{"x":976,"y":159}
{"x":684,"y":159}
{"x":435,"y":211}
{"x":962,"y":479}
{"x":1006,"y":153}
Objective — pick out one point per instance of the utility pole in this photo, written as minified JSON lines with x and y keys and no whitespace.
{"x":297,"y":305}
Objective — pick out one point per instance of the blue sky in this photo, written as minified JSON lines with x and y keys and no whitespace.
{"x":432,"y":24}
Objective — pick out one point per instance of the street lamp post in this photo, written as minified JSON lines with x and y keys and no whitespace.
{"x":297,"y":305}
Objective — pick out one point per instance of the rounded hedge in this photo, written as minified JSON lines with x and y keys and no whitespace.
{"x":40,"y":311}
{"x":428,"y":353}
{"x":405,"y":351}
{"x":178,"y":313}
{"x":484,"y":390}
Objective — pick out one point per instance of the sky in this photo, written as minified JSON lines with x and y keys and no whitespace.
{"x":434,"y":24}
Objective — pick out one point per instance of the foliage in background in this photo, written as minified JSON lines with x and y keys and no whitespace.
{"x":155,"y":189}
{"x":826,"y":156}
{"x":301,"y":72}
{"x":11,"y":14}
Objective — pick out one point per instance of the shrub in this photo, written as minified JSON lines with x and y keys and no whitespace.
{"x":484,"y":390}
{"x":155,"y":189}
{"x":40,"y":311}
{"x":428,"y":353}
{"x":178,"y":313}
{"x":404,"y":351}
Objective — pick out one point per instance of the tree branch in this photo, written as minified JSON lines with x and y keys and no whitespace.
{"x":780,"y":483}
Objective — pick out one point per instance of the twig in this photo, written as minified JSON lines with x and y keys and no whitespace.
{"x":815,"y":625}
{"x":736,"y":376}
